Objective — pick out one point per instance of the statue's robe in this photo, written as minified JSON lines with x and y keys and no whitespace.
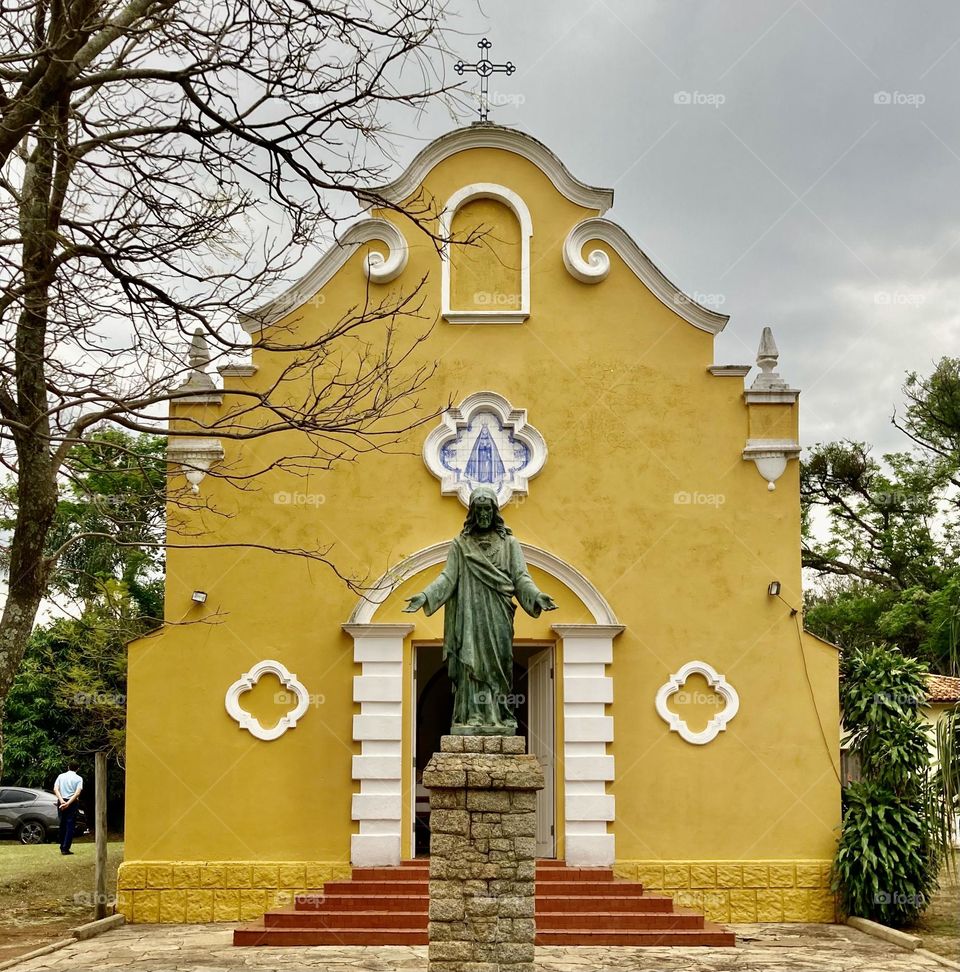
{"x":482,"y":576}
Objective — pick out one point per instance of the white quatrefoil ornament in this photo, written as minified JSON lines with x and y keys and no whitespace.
{"x":247,"y":681}
{"x":717,"y":682}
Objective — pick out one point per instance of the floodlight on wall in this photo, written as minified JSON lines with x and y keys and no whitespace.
{"x":773,"y":589}
{"x":199,"y":597}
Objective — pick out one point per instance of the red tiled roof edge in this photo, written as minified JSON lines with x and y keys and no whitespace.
{"x":943,"y":688}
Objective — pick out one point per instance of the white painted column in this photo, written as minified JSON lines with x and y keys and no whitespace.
{"x":378,"y":648}
{"x":587,"y":650}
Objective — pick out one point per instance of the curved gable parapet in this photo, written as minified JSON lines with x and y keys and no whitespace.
{"x":596,"y":266}
{"x":380,"y":268}
{"x":496,"y":137}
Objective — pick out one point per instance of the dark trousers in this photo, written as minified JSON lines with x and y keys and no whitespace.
{"x":68,"y":822}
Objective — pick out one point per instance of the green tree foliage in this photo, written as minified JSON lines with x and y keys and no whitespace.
{"x":888,"y":857}
{"x":69,"y":698}
{"x":110,"y":520}
{"x":933,"y":413}
{"x":884,"y":536}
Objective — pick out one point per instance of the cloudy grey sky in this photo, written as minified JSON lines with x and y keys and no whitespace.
{"x":788,"y":162}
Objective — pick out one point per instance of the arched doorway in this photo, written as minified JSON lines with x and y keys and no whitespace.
{"x":386,"y":725}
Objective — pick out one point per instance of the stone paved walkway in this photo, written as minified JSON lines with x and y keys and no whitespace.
{"x":207,"y":948}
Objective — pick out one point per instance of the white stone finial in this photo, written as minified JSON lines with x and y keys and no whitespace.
{"x":198,"y":358}
{"x":767,"y":357}
{"x":768,"y":388}
{"x":199,"y":350}
{"x":767,"y":353}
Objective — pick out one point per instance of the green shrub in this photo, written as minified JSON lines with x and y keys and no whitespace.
{"x":888,"y":857}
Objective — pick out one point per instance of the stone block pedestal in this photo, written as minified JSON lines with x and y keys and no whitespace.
{"x":483,"y":792}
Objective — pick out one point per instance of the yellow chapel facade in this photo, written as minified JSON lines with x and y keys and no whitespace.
{"x":687,"y":724}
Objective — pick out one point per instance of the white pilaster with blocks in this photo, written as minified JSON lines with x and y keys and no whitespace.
{"x":378,"y":649}
{"x":587,"y":729}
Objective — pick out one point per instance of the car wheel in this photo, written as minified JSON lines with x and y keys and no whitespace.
{"x":32,"y":832}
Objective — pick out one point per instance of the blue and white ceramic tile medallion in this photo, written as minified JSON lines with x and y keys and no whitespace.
{"x":484,"y":441}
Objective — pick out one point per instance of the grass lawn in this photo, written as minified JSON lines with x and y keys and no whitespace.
{"x":44,"y":894}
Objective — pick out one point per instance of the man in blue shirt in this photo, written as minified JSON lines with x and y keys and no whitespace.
{"x":68,"y":787}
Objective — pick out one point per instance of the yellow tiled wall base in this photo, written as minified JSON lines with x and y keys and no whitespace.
{"x":741,"y":891}
{"x":199,"y":891}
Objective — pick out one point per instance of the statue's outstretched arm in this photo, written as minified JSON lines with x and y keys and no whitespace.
{"x":530,"y":597}
{"x":438,"y":591}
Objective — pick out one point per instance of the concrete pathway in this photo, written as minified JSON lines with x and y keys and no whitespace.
{"x":207,"y":948}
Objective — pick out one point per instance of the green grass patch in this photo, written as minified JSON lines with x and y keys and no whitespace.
{"x":43,"y":893}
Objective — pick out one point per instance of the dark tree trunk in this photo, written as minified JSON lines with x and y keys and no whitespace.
{"x":36,"y":474}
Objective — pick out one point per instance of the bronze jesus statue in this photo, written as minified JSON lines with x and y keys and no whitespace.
{"x":485,"y":571}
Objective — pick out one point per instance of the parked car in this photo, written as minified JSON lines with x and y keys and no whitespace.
{"x":31,"y":815}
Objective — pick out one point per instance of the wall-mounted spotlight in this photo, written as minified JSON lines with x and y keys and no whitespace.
{"x":773,"y":589}
{"x":199,"y":597}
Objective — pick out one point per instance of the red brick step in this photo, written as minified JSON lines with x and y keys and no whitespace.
{"x":401,"y":875}
{"x":574,"y":906}
{"x":364,"y":902}
{"x":382,"y":888}
{"x":616,"y":920}
{"x":257,"y":934}
{"x":290,"y":918}
{"x":711,"y":935}
{"x":594,"y":889}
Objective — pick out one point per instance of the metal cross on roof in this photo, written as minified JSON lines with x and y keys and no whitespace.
{"x":484,"y":67}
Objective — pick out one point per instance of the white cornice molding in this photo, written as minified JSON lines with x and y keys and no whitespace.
{"x":770,"y":457}
{"x":430,"y":556}
{"x":570,"y":632}
{"x":374,"y":630}
{"x":195,"y":456}
{"x":182,"y":396}
{"x":729,"y":371}
{"x":464,"y":195}
{"x":596,"y":267}
{"x":496,"y":137}
{"x":247,"y":681}
{"x":237,"y":369}
{"x":790,"y":447}
{"x":771,"y":396}
{"x":718,"y":723}
{"x":379,"y":268}
{"x":485,"y":317}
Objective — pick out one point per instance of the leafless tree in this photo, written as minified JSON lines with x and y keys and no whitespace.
{"x":161,"y":164}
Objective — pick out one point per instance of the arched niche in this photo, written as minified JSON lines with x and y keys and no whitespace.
{"x":486,"y":280}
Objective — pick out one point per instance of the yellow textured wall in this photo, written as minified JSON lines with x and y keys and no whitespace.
{"x":645,"y":492}
{"x":201,"y":891}
{"x":734,"y":891}
{"x":772,"y":421}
